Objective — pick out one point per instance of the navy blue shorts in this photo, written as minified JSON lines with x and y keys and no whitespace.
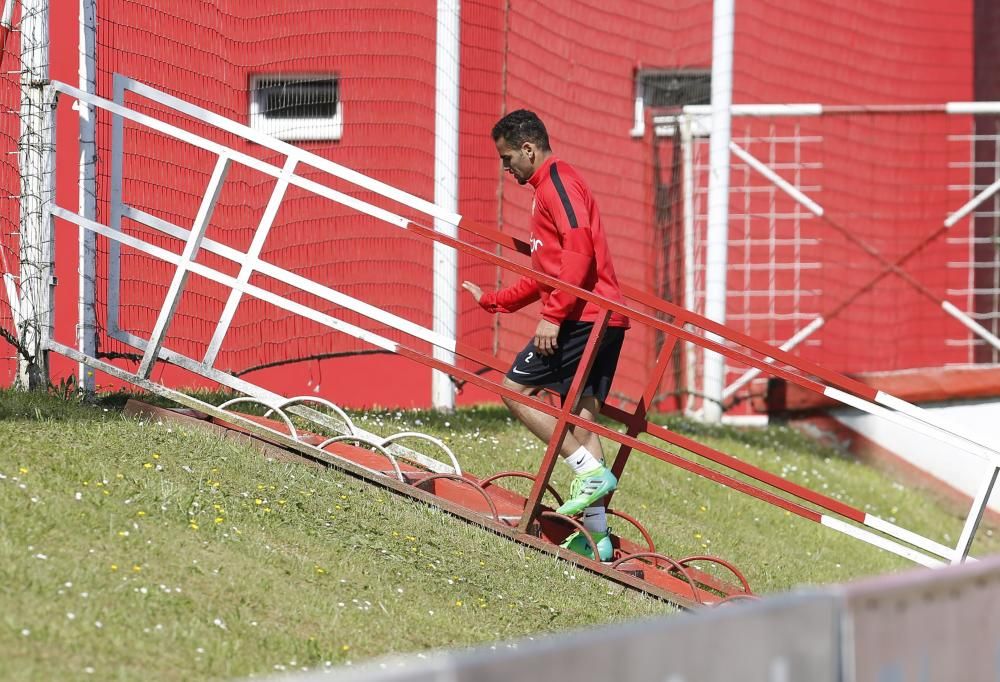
{"x":556,"y":371}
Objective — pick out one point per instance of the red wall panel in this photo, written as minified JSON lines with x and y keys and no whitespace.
{"x":573,"y":62}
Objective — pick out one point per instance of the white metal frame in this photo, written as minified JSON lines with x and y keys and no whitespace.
{"x":693,"y":119}
{"x":446,"y":122}
{"x":928,"y":552}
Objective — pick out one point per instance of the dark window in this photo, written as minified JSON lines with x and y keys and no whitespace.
{"x":670,"y":89}
{"x":301,"y":99}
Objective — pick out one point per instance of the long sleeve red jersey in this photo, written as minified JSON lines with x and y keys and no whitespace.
{"x":567,"y":242}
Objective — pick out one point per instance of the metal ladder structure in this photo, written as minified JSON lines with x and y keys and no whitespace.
{"x":408,"y":469}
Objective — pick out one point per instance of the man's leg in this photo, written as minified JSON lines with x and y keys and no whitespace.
{"x":541,"y":424}
{"x":577,"y":439}
{"x":588,"y":408}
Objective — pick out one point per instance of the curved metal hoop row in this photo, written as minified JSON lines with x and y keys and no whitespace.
{"x":519,"y":474}
{"x":271,"y":408}
{"x":722,"y":562}
{"x":576,"y":524}
{"x":371,"y":443}
{"x":642,"y":529}
{"x":460,"y":479}
{"x":431,"y":439}
{"x":674,"y":566}
{"x":302,"y":399}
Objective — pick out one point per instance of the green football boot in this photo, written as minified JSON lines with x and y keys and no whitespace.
{"x":588,"y":488}
{"x":577,"y":542}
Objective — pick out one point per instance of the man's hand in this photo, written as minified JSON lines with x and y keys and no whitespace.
{"x":474,"y":289}
{"x":545,"y":337}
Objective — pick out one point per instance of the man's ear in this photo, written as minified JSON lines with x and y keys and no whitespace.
{"x":528,"y":148}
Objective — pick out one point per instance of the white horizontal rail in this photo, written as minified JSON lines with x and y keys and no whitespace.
{"x":290,"y":150}
{"x":914,"y":419}
{"x":231,"y":282}
{"x":327,"y":294}
{"x":237,"y":156}
{"x":880,"y":542}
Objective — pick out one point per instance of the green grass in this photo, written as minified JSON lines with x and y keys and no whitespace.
{"x":144,"y":551}
{"x":139,"y":550}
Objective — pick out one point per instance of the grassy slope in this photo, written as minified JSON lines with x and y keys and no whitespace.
{"x":138,"y":550}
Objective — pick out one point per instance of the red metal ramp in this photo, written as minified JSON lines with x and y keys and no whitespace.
{"x":486,"y":502}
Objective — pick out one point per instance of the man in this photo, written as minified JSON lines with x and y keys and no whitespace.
{"x":567,"y":242}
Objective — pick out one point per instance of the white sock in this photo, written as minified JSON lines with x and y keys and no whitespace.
{"x":582,"y":461}
{"x":595,"y":520}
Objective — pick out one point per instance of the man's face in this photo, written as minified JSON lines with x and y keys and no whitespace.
{"x":518,"y":162}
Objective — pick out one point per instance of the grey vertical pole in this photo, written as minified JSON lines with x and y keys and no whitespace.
{"x":87,"y":321}
{"x":34,"y":145}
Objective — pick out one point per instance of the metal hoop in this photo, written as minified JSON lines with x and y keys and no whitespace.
{"x":361,"y":439}
{"x":462,"y":479}
{"x":431,"y":439}
{"x":271,"y":408}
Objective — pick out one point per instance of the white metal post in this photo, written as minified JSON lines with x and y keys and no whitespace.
{"x":975,"y":516}
{"x":36,"y":236}
{"x":446,"y":119}
{"x":87,"y":325}
{"x":723,"y":26}
{"x":687,"y":157}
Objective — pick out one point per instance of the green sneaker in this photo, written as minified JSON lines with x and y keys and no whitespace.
{"x":588,"y":488}
{"x":577,"y":542}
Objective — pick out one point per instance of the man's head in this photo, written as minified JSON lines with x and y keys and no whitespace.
{"x":522,"y":143}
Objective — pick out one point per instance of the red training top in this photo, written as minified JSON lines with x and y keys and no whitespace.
{"x":567,"y":242}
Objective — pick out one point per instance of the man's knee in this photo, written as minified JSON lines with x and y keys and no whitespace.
{"x":520,"y":388}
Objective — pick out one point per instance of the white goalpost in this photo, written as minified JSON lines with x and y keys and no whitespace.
{"x":775,"y":156}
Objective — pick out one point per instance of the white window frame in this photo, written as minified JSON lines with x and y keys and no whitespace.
{"x":296,"y":129}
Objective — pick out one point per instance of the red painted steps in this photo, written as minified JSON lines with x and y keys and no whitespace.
{"x":488,"y":503}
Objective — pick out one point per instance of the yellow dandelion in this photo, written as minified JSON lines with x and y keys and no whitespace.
{"x":23,"y":470}
{"x":458,"y":602}
{"x":193,"y":526}
{"x":122,"y":533}
{"x":119,"y":476}
{"x":697,"y":536}
{"x":258,"y":501}
{"x":147,"y":465}
{"x":140,"y":513}
{"x":345,"y":648}
{"x":260,"y":486}
{"x":155,"y":456}
{"x":281,"y":501}
{"x":267,"y":510}
{"x":320,"y":570}
{"x":219,"y":519}
{"x":114,"y":567}
{"x":136,"y":568}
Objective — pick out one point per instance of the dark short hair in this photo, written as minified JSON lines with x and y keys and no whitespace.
{"x":521,"y":126}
